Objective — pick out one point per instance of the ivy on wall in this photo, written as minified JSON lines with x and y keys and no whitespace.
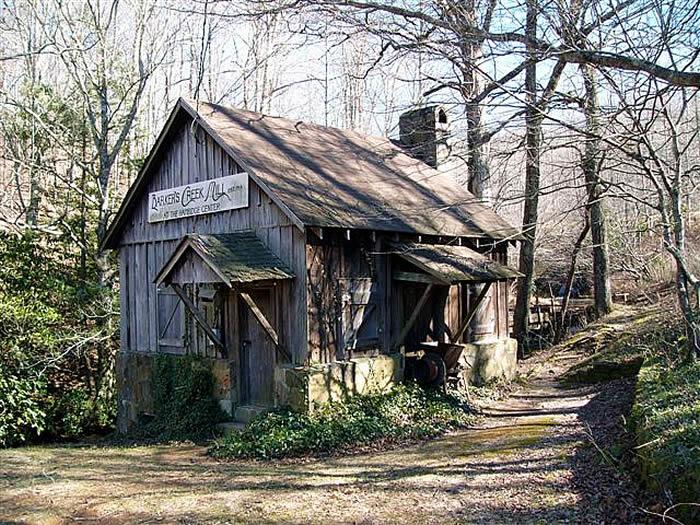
{"x":183,"y":396}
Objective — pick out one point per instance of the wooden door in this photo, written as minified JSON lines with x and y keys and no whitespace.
{"x":257,"y":351}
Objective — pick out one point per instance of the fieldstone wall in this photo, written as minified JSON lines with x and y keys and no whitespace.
{"x":304,"y":388}
{"x":490,"y":360}
{"x":135,"y":386}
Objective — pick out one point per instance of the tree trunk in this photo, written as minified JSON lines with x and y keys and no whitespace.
{"x":533,"y":121}
{"x":692,"y":323}
{"x":675,"y":241}
{"x":595,"y":205}
{"x":477,"y":166}
{"x":478,"y":172}
{"x":560,"y":330}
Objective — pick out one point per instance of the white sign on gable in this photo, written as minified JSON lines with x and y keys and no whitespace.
{"x":199,"y":198}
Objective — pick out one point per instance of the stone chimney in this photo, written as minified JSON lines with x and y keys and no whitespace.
{"x":423,"y":133}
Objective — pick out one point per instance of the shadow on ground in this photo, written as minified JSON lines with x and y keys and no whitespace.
{"x":532,"y":460}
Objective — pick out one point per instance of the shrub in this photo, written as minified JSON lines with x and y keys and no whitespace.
{"x":183,"y":396}
{"x":22,"y":416}
{"x":57,"y":339}
{"x":406,"y":412}
{"x":666,"y":417}
{"x":70,"y":414}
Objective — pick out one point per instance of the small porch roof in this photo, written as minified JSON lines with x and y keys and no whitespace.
{"x":453,"y":264}
{"x":231,"y":258}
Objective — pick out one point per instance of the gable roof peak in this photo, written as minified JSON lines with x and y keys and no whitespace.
{"x":328,"y":177}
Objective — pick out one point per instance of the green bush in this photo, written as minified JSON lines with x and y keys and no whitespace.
{"x":57,"y":340}
{"x":406,"y":412}
{"x":25,"y":328}
{"x":22,"y":416}
{"x":183,"y":396}
{"x":70,"y":413}
{"x":666,"y":417}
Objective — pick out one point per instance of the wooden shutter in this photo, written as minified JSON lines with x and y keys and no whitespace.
{"x":171,"y":322}
{"x":359,"y":326}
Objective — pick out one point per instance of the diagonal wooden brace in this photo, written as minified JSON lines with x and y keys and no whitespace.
{"x":414,"y":316}
{"x":265,"y":324}
{"x":198,"y":317}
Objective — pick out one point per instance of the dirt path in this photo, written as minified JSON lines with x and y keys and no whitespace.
{"x":530,"y":461}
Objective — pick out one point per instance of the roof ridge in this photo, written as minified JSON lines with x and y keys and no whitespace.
{"x":193,"y":103}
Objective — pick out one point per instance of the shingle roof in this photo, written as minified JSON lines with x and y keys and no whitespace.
{"x":328,"y":177}
{"x":453,"y":264}
{"x":339,"y":178}
{"x":239,"y":257}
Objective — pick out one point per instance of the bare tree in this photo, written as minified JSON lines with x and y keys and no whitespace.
{"x":591,"y":169}
{"x":110,"y":75}
{"x":656,"y":165}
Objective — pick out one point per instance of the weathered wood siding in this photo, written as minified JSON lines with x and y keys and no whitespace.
{"x":144,"y":247}
{"x":329,"y":260}
{"x":362,"y":256}
{"x":336,"y":258}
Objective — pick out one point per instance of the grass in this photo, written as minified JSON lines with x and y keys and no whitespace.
{"x":406,"y":412}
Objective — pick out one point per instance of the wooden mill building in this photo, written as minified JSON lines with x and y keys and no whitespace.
{"x":303,"y":262}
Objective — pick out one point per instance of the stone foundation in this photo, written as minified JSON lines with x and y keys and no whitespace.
{"x":305,"y":387}
{"x":135,"y":386}
{"x":490,"y":360}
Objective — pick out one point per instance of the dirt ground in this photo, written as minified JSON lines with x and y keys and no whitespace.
{"x":531,"y":460}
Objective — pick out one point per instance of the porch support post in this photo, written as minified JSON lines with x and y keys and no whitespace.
{"x":198,"y":317}
{"x":477,"y":304}
{"x":414,"y":315}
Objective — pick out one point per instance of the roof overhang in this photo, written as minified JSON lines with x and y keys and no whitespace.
{"x":230,"y":259}
{"x":325,"y":177}
{"x":450,"y":264}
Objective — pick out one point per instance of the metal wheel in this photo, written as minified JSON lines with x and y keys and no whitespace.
{"x":431,"y":370}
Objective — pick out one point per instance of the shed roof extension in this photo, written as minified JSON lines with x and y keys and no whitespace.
{"x":327,"y":177}
{"x":453,"y":264}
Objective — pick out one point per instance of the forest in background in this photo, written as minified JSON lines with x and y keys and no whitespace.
{"x":576,"y":120}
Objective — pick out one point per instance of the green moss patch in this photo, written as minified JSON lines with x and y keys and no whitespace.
{"x":404,"y":413}
{"x":504,"y":440}
{"x":617,"y":348}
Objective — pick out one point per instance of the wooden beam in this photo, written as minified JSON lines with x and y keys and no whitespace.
{"x":477,"y":304}
{"x":317,"y":231}
{"x":416,"y":277}
{"x":264,"y":323}
{"x":414,"y":315}
{"x":198,"y":317}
